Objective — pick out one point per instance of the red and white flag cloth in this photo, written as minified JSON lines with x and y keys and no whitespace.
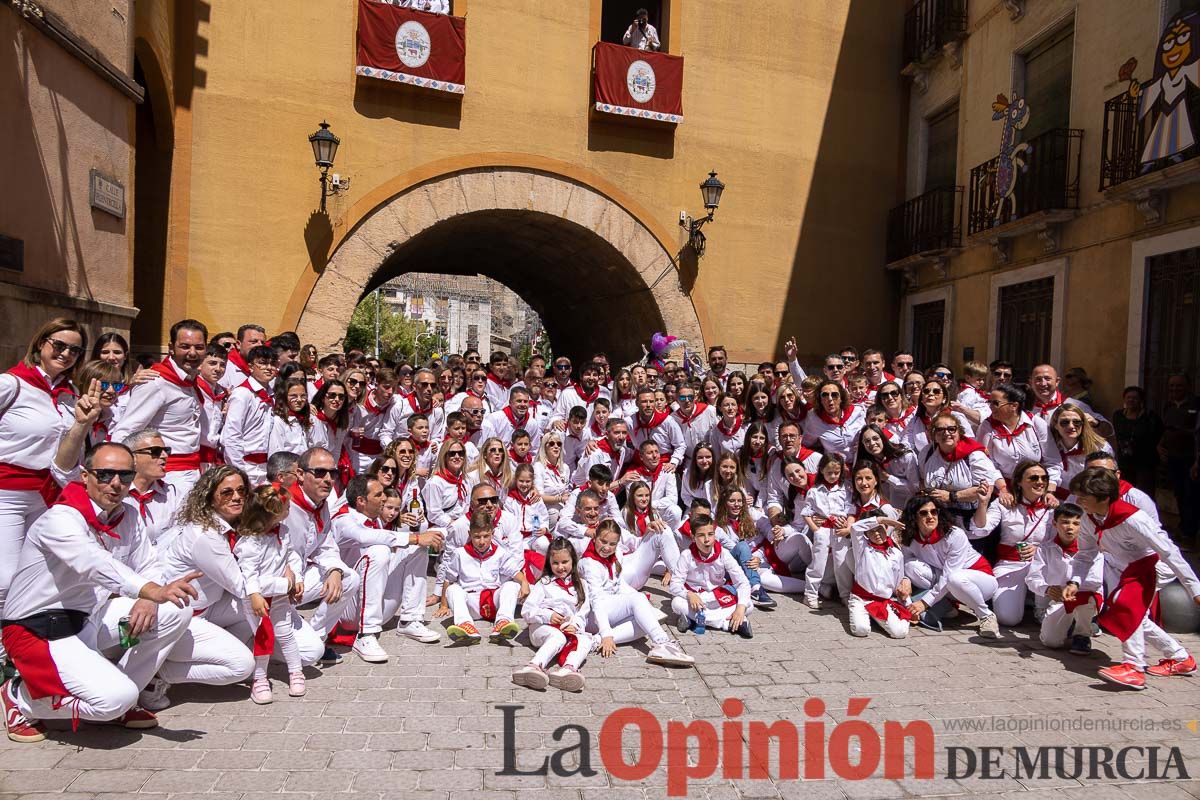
{"x":418,"y":48}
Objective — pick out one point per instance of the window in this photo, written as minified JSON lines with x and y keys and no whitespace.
{"x":1172,"y":320}
{"x":617,"y":16}
{"x":1172,"y":7}
{"x":1024,"y":321}
{"x":472,"y":337}
{"x":1046,"y":81}
{"x":941,"y":161}
{"x":928,"y":328}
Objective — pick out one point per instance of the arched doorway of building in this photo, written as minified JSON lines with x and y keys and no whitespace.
{"x":597,"y":276}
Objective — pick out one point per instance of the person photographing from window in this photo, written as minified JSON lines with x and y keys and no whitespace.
{"x":641,"y":33}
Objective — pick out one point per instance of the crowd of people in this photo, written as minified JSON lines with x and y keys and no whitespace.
{"x":163,"y":523}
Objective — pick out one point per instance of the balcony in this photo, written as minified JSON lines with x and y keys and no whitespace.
{"x":926,"y":226}
{"x":1006,"y":200}
{"x":930,"y":25}
{"x":1123,"y":174}
{"x":637,"y":84}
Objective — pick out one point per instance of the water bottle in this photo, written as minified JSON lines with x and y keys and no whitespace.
{"x":700,"y":627}
{"x":536,"y":525}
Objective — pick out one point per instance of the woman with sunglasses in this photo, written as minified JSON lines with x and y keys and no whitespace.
{"x":1074,"y":439}
{"x":112,"y":383}
{"x":401,"y":455}
{"x":552,"y":476}
{"x":898,"y":464}
{"x":1022,"y":529}
{"x":890,"y":397}
{"x":1011,"y":436}
{"x":625,"y":397}
{"x":943,"y":562}
{"x":476,"y":386}
{"x":332,"y":418}
{"x":36,"y":398}
{"x":934,"y":400}
{"x":448,"y":490}
{"x":493,"y":467}
{"x":956,"y":470}
{"x":836,"y":423}
{"x":385,"y":468}
{"x":355,"y":381}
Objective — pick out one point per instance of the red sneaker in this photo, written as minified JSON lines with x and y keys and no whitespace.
{"x":20,"y":727}
{"x":137,"y":718}
{"x":1125,"y":675}
{"x":1169,"y":667}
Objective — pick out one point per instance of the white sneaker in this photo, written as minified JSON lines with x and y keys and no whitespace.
{"x":566,"y":678}
{"x":154,"y":696}
{"x":812,"y":601}
{"x":530,"y":675}
{"x":366,"y":647}
{"x":989,"y":627}
{"x":670,"y":654}
{"x":417,"y":630}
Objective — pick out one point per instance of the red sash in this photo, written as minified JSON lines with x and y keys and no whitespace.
{"x":1082,"y":598}
{"x":369,"y":447}
{"x":208,"y":455}
{"x":982,"y":565}
{"x":535,"y":564}
{"x":1007,"y":552}
{"x":725,"y":598}
{"x":254,"y":458}
{"x":487,"y":604}
{"x":778,"y":565}
{"x":877,"y":607}
{"x":24,"y":479}
{"x":32,"y":658}
{"x":264,"y":635}
{"x":1128,"y":603}
{"x":182,"y":462}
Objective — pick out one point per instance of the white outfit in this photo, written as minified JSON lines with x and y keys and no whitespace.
{"x":288,"y":435}
{"x":618,"y":610}
{"x":1029,"y":440}
{"x":469,"y":574}
{"x":642,"y":39}
{"x":697,"y":427}
{"x":156,"y":507}
{"x":311,"y":537}
{"x":173,"y":408}
{"x":546,"y":597}
{"x":707,"y":577}
{"x":828,"y":502}
{"x":445,"y":501}
{"x":1025,"y":526}
{"x":666,"y":434}
{"x":950,"y":566}
{"x":262,"y":560}
{"x":377,"y":432}
{"x":835,"y":436}
{"x":727,"y":439}
{"x":391,"y":572}
{"x":1051,"y":566}
{"x":877,"y":572}
{"x":503,"y":423}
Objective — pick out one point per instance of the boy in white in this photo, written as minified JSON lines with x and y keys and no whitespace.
{"x":371,"y":423}
{"x":1132,"y":544}
{"x":213,"y":397}
{"x":699,"y":580}
{"x":248,"y":417}
{"x":484,"y":580}
{"x":556,"y":612}
{"x":575,"y":438}
{"x":1050,"y":571}
{"x":878,"y":578}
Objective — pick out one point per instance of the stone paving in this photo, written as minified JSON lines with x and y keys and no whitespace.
{"x":426,"y":725}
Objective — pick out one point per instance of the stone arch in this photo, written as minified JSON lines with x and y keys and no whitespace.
{"x":583,"y":260}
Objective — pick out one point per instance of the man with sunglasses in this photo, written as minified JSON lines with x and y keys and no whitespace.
{"x":419,"y":402}
{"x":172,"y":404}
{"x":249,"y":415}
{"x":88,"y":546}
{"x":835,"y":369}
{"x":248,"y":338}
{"x":902,"y":364}
{"x":694,"y":417}
{"x":562,"y":372}
{"x":156,"y":500}
{"x":1000,"y":373}
{"x":326,"y":577}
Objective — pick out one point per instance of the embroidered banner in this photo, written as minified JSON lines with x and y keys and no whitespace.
{"x":638,"y":83}
{"x":404,"y":45}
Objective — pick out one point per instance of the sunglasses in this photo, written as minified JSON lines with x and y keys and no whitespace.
{"x":1037,"y":478}
{"x":153,"y":452}
{"x":903,"y":363}
{"x":388,"y":470}
{"x":479,"y":377}
{"x":354,"y":382}
{"x":112,"y":386}
{"x":491,"y":500}
{"x":456,"y":454}
{"x":932,"y":390}
{"x":927,"y":512}
{"x":106,"y":475}
{"x":562,"y":366}
{"x":830,"y":394}
{"x":553,"y":444}
{"x":1002,"y":374}
{"x":948,"y":429}
{"x":942,"y":375}
{"x":61,"y":347}
{"x":891,"y":393}
{"x":998,"y":403}
{"x":495,"y":450}
{"x":240,"y":491}
{"x":429,"y":384}
{"x":321,"y":472}
{"x":340,"y":397}
{"x":1070,"y":423}
{"x":685,"y":398}
{"x":474,"y":412}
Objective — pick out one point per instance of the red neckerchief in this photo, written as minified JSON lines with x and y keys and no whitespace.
{"x":587,"y":397}
{"x":822,"y":481}
{"x":76,"y":496}
{"x":235,"y":356}
{"x":1002,"y":432}
{"x":904,"y":418}
{"x":369,"y":404}
{"x":935,"y":536}
{"x":412,"y":403}
{"x":963,"y":386}
{"x":208,"y":391}
{"x":737,"y":426}
{"x":828,"y":420}
{"x":698,"y":408}
{"x":651,"y":475}
{"x":686,"y":528}
{"x":1118,"y":512}
{"x":166,"y":368}
{"x":144,"y":499}
{"x":420,"y":447}
{"x":716,"y":551}
{"x":609,"y":563}
{"x":458,"y":482}
{"x":761,"y":457}
{"x":1074,"y":451}
{"x":301,"y":499}
{"x":478,"y":556}
{"x":520,"y":498}
{"x":1048,"y":408}
{"x":512,"y":420}
{"x":1124,"y":487}
{"x":330,"y":423}
{"x":37,"y":380}
{"x":962,"y":449}
{"x":318,"y":384}
{"x":492,"y":378}
{"x":261,"y":394}
{"x":1068,"y":549}
{"x":606,"y":446}
{"x":883,"y":546}
{"x":553,"y":468}
{"x":657,"y":418}
{"x":870,"y":505}
{"x":528,"y":459}
{"x":567,"y":585}
{"x":642,"y":520}
{"x":594,"y":427}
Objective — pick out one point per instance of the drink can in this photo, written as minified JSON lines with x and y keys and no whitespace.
{"x":126,"y":639}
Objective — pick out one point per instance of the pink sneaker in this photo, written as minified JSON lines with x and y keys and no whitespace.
{"x":296,"y":684}
{"x":260,"y":691}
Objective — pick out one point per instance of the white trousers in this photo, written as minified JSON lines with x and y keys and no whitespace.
{"x":183,"y":480}
{"x":814,"y":575}
{"x":326,"y":615}
{"x":637,"y":567}
{"x":843,"y":564}
{"x":1057,"y":622}
{"x":101,"y":689}
{"x":286,"y":646}
{"x":860,"y":620}
{"x":630,"y":616}
{"x":716,"y":616}
{"x":970,"y":587}
{"x":779,"y":583}
{"x":390,"y":583}
{"x":18,"y":510}
{"x":465,"y":605}
{"x":1009,"y":600}
{"x":207,"y":654}
{"x":1133,"y":649}
{"x":549,"y":640}
{"x":227,"y":613}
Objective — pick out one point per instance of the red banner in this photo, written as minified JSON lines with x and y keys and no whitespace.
{"x":638,"y":83}
{"x":414,"y":47}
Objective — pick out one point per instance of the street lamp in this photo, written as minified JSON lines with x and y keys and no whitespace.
{"x":324,"y":145}
{"x":710,"y":191}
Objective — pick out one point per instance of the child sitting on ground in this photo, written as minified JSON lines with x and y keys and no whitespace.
{"x":700,"y":585}
{"x":484,"y":580}
{"x":1049,"y":572}
{"x":556,"y":612}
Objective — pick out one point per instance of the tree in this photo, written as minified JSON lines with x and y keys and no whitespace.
{"x":397,"y":333}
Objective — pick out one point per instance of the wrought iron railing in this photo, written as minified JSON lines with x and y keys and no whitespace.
{"x":1000,"y":191}
{"x":929,"y":222}
{"x":929,"y":24}
{"x":1124,"y":140}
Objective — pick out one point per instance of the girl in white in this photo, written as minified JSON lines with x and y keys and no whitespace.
{"x":552,"y":476}
{"x":729,"y":434}
{"x":880,"y":589}
{"x":942,"y":561}
{"x":525,"y":505}
{"x":621,"y":613}
{"x":697,"y":475}
{"x":737,"y":531}
{"x":290,"y":420}
{"x":556,"y":612}
{"x":826,"y":509}
{"x":647,"y":541}
{"x":898,"y":463}
{"x":1022,"y":529}
{"x":754,"y":460}
{"x":482,"y":579}
{"x":783,"y":547}
{"x":270,"y":568}
{"x":700,"y":580}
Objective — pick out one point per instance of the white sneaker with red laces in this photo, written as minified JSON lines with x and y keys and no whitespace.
{"x":20,"y":727}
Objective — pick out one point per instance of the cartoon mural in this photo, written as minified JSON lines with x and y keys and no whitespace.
{"x":1163,"y":101}
{"x":1012,"y":156}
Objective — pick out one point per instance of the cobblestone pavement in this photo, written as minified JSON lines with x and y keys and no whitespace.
{"x":426,"y":725}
